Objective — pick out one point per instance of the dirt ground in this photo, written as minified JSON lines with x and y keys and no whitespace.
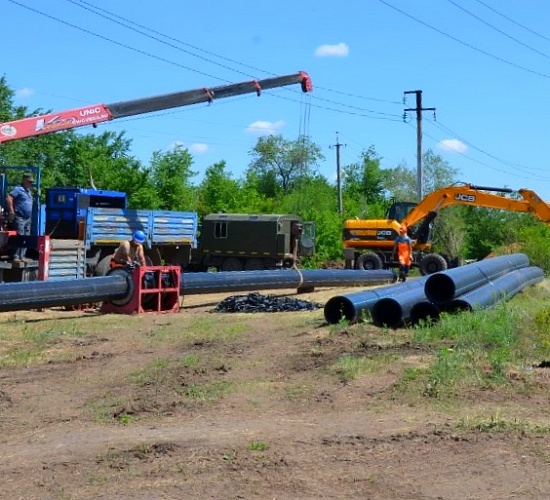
{"x":203,"y":405}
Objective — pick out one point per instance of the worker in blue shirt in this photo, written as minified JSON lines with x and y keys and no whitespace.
{"x":19,"y":204}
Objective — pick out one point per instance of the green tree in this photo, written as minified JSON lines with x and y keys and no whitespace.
{"x":399,"y":183}
{"x":489,"y":229}
{"x":218,"y":192}
{"x":171,"y":174}
{"x":363,"y":189}
{"x":437,"y":172}
{"x":278,"y":164}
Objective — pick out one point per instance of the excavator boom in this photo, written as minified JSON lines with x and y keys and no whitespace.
{"x":99,"y":113}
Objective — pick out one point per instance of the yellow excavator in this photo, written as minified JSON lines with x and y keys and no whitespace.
{"x":368,"y":243}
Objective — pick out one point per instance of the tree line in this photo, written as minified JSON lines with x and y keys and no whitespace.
{"x":282,"y":176}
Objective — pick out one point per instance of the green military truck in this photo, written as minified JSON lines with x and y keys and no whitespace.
{"x":246,"y":242}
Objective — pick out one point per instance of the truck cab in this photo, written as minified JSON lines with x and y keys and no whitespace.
{"x":67,"y":208}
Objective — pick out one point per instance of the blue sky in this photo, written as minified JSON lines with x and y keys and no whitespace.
{"x":483,"y":64}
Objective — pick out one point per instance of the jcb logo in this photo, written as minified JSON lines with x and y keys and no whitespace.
{"x":470,"y":198}
{"x":383,"y":234}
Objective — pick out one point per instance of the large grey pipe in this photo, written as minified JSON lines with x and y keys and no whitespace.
{"x":353,"y":305}
{"x":499,"y":290}
{"x":446,"y":285}
{"x":234,"y":281}
{"x":117,"y":288}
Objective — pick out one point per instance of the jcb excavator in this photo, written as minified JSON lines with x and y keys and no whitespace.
{"x":368,"y":244}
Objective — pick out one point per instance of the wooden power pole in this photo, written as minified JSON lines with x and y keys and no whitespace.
{"x":338,"y":174}
{"x":418,"y":110}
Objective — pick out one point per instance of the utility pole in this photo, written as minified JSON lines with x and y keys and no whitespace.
{"x":338,"y":174}
{"x":418,"y":109}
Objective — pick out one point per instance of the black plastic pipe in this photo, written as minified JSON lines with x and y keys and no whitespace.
{"x":234,"y":281}
{"x":393,"y":311}
{"x":447,"y":285}
{"x":499,"y":290}
{"x":424,"y":311}
{"x":352,"y":306}
{"x":117,"y":287}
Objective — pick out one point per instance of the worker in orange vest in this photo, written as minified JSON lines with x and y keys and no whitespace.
{"x":403,"y":247}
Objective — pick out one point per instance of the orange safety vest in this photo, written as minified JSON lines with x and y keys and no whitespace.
{"x":404,"y":250}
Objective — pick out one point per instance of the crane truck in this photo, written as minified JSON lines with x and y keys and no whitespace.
{"x":368,"y":243}
{"x":86,"y":225}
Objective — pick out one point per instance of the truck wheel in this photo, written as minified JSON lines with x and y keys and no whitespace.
{"x":368,"y":262}
{"x":432,"y":263}
{"x":232,"y":264}
{"x":254,"y":264}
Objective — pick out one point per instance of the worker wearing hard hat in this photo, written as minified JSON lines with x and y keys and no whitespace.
{"x":130,"y":252}
{"x":403,"y":247}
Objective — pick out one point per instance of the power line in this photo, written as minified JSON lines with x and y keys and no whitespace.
{"x":498,"y":30}
{"x":470,"y":46}
{"x":127,"y":24}
{"x":526,"y":174}
{"x":120,"y":44}
{"x":513,"y":21}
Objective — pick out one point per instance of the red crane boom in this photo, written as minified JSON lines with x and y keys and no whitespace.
{"x":98,"y":113}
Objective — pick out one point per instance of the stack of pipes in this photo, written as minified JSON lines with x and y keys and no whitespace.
{"x":480,"y":285}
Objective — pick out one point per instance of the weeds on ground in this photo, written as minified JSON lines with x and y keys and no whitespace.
{"x":24,"y":343}
{"x":481,"y":348}
{"x":349,"y":367}
{"x":496,"y":424}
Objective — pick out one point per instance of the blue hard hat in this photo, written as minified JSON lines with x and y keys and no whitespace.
{"x":139,"y":237}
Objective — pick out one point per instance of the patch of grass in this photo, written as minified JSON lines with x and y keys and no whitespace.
{"x":190,"y":361}
{"x":258,"y":446}
{"x":298,"y":391}
{"x":26,"y":344}
{"x":496,"y":424}
{"x":155,"y":373}
{"x":125,"y":418}
{"x":103,"y":407}
{"x":349,"y":367}
{"x":208,"y":391}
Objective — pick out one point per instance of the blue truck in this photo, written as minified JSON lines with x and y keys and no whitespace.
{"x":100,"y":220}
{"x":85,"y":226}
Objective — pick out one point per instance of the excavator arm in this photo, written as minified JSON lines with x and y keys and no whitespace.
{"x":99,"y":113}
{"x":478,"y":196}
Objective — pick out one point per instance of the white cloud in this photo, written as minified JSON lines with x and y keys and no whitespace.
{"x":24,"y":93}
{"x":264,"y":127}
{"x":338,"y":50}
{"x":198,"y":147}
{"x":453,"y":145}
